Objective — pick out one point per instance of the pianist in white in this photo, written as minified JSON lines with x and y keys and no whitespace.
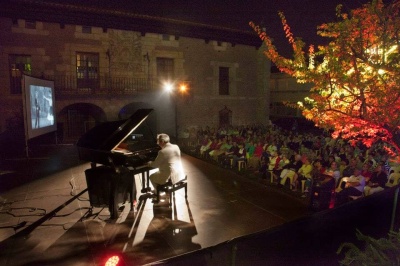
{"x":168,"y":162}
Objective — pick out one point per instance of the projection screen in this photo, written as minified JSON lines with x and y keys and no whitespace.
{"x":39,"y":106}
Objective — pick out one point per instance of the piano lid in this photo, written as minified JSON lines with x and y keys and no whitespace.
{"x":108,"y":135}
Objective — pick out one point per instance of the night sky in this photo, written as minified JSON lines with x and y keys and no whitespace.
{"x":303,"y":16}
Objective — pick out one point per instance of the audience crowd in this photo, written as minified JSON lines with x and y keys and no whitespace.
{"x":293,"y":159}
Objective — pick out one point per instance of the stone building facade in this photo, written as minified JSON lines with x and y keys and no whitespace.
{"x":104,"y":71}
{"x":284,"y":88}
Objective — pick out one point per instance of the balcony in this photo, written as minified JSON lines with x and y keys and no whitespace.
{"x":70,"y":86}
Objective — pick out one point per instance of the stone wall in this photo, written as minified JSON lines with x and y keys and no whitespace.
{"x":53,"y":47}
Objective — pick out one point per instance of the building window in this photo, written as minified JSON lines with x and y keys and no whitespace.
{"x":165,"y":37}
{"x":29,"y":24}
{"x":224,"y":81}
{"x":165,"y":68}
{"x":18,"y":65}
{"x":86,"y":29}
{"x":87,"y":70}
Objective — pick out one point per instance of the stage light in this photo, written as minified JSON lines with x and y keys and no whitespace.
{"x":112,"y":261}
{"x":183,"y":87}
{"x":168,"y":86}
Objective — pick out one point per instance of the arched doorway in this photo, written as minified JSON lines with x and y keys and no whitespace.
{"x":75,"y":119}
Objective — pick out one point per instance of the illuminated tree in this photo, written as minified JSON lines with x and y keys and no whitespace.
{"x":355,"y":77}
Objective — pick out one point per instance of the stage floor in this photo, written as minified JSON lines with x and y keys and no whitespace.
{"x":47,"y":221}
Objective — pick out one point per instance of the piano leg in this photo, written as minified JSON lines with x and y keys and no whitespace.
{"x":145,"y":173}
{"x":132,"y":192}
{"x":121,"y":184}
{"x":144,"y":189}
{"x":113,"y":204}
{"x":148,"y":179}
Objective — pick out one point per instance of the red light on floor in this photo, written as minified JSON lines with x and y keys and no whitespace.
{"x":112,"y":261}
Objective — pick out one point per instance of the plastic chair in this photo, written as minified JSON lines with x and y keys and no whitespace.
{"x":339,"y":187}
{"x":272,"y":177}
{"x":393,"y":180}
{"x":242,"y":165}
{"x":394,"y":169}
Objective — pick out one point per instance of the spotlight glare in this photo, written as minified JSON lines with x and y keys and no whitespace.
{"x":182,"y":88}
{"x":168,"y":87}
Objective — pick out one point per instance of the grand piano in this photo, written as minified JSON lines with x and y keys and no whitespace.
{"x":117,"y":150}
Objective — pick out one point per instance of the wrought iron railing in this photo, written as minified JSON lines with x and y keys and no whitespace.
{"x":70,"y":85}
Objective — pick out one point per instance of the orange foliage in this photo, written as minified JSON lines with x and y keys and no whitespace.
{"x":356,"y":88}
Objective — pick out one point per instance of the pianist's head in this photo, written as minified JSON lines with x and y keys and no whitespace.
{"x":162,"y":139}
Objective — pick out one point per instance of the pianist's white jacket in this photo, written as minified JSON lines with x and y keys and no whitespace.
{"x":169,"y":163}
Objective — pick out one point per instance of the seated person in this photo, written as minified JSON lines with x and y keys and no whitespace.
{"x":366,"y":171}
{"x":215,"y":145}
{"x":168,"y":162}
{"x":385,"y":164}
{"x":273,"y":162}
{"x":224,"y":147}
{"x":239,"y":155}
{"x":250,"y":149}
{"x":291,"y":169}
{"x":318,"y":169}
{"x":335,"y":171}
{"x":255,"y":160}
{"x":343,"y":165}
{"x":206,"y":144}
{"x":304,"y":173}
{"x":325,"y":181}
{"x":281,"y":164}
{"x":354,"y":187}
{"x":331,"y":158}
{"x":349,"y":170}
{"x":224,"y":158}
{"x":271,"y":148}
{"x":265,"y":154}
{"x":377,"y":181}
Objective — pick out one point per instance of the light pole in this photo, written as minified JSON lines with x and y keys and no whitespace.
{"x":170,"y":88}
{"x":147,"y":58}
{"x":175,"y":91}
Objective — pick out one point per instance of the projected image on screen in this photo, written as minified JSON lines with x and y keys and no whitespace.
{"x":42,"y":106}
{"x":39,"y":106}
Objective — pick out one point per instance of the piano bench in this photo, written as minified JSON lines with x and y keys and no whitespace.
{"x":171,"y":188}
